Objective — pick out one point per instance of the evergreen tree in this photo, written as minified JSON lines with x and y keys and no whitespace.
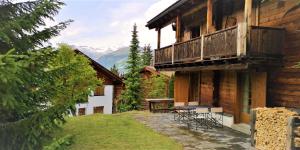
{"x":156,"y":87}
{"x":146,"y":56}
{"x":171,"y":86}
{"x":22,"y":25}
{"x":38,"y":85}
{"x":131,"y":96}
{"x":115,"y":70}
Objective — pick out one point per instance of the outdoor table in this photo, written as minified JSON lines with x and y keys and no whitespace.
{"x":154,"y":102}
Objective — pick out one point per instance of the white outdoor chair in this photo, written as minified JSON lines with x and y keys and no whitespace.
{"x":203,"y":117}
{"x":179,"y":114}
{"x":217,"y":116}
{"x":193,"y":103}
{"x":193,"y":112}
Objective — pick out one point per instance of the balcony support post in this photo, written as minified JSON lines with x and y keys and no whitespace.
{"x":241,"y":39}
{"x":248,"y":12}
{"x":173,"y":54}
{"x":246,"y":29}
{"x":209,"y":15}
{"x":178,"y":28}
{"x":158,"y":37}
{"x":202,"y":47}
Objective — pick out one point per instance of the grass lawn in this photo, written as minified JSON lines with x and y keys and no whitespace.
{"x":118,"y":131}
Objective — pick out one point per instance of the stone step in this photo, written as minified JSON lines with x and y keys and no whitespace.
{"x":242,"y":127}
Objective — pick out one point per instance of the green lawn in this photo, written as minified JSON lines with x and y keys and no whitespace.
{"x":118,"y":131}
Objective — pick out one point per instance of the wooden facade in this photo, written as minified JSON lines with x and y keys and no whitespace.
{"x":237,"y":54}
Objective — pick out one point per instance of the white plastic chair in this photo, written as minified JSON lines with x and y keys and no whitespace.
{"x":217,"y":116}
{"x":203,"y":117}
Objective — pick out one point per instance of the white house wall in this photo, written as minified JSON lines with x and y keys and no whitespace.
{"x":95,"y":101}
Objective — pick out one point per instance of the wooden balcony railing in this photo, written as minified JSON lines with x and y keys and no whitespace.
{"x":187,"y":50}
{"x":163,"y":55}
{"x":227,"y":43}
{"x":220,"y":44}
{"x":266,"y":41}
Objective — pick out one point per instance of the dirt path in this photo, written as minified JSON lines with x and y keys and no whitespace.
{"x":191,"y":139}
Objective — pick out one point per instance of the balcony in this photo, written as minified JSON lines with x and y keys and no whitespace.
{"x":227,"y":44}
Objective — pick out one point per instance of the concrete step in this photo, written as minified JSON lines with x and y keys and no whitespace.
{"x":242,"y":127}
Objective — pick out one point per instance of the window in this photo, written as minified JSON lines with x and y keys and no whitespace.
{"x":195,"y":32}
{"x":99,"y":91}
{"x":81,"y":111}
{"x":98,"y":110}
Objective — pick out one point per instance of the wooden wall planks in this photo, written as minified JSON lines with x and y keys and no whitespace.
{"x":206,"y":88}
{"x":228,"y":91}
{"x":284,"y":84}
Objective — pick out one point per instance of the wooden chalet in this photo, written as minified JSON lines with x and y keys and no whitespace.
{"x":103,"y":96}
{"x":147,"y":73}
{"x":236,"y":54}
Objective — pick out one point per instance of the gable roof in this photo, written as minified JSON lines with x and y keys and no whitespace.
{"x":166,"y":16}
{"x":150,"y":69}
{"x":100,"y":67}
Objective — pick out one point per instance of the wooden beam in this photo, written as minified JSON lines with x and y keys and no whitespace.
{"x":209,"y":15}
{"x":248,"y":22}
{"x":248,"y":12}
{"x":178,"y":28}
{"x":210,"y":67}
{"x":158,"y":37}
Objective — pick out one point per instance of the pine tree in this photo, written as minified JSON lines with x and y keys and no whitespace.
{"x":20,"y":24}
{"x":146,"y":56}
{"x":171,"y":86}
{"x":115,"y":70}
{"x":38,"y":85}
{"x":131,"y":96}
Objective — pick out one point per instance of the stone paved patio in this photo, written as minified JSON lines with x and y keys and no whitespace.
{"x":191,"y":139}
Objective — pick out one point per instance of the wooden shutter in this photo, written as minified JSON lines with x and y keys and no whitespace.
{"x":99,"y":91}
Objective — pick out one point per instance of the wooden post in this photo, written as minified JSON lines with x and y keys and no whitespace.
{"x":178,"y":28}
{"x":202,"y":47}
{"x":209,"y":15}
{"x":248,"y":12}
{"x":241,"y":39}
{"x":248,"y":20}
{"x":252,"y":125}
{"x":158,"y":37}
{"x":173,"y":54}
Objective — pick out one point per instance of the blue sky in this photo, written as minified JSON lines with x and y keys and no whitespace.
{"x":108,"y":23}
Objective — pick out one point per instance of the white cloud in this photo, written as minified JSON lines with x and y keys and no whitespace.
{"x":118,"y":29}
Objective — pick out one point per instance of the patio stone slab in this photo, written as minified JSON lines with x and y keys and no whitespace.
{"x":191,"y":139}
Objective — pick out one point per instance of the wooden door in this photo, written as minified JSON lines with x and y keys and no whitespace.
{"x":81,"y":111}
{"x":181,"y":87}
{"x":194,"y":87}
{"x":207,"y":88}
{"x":253,"y":89}
{"x":98,"y":110}
{"x":259,"y":89}
{"x":245,"y":97}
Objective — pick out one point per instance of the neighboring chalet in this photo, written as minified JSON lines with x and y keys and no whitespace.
{"x":236,"y":54}
{"x":146,"y":73}
{"x":105,"y":97}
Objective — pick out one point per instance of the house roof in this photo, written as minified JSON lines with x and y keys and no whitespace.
{"x":167,"y":16}
{"x":100,"y":67}
{"x":151,"y":69}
